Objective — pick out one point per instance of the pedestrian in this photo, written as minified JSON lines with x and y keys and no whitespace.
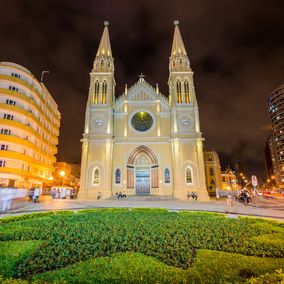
{"x":188,"y":195}
{"x":229,"y":202}
{"x":194,"y":195}
{"x":36,"y":195}
{"x":99,"y":195}
{"x":57,"y":194}
{"x":31,"y":194}
{"x":217,"y":194}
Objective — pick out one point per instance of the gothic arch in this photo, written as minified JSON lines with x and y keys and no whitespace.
{"x":145,"y":150}
{"x":153,"y":165}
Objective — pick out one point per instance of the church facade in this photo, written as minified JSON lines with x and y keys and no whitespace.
{"x":142,"y":143}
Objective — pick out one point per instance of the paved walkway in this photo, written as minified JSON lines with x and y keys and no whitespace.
{"x":271,"y":209}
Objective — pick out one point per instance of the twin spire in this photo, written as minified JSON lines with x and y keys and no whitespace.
{"x":178,"y":60}
{"x":104,"y":47}
{"x":104,"y":60}
{"x":178,"y":46}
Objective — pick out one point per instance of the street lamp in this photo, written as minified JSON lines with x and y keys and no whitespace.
{"x":62,"y":174}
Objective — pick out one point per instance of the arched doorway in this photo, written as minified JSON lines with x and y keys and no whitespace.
{"x":142,"y":170}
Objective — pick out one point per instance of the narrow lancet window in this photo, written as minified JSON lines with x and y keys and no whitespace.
{"x":117,"y":176}
{"x":179,"y":97}
{"x":188,"y":175}
{"x":96,"y":176}
{"x":167,"y":176}
{"x":96,"y":93}
{"x":186,"y":91}
{"x":104,"y":92}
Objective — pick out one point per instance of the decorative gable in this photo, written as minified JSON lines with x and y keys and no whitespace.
{"x":142,"y":93}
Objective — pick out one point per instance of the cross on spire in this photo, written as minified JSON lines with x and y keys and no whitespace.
{"x":141,"y":77}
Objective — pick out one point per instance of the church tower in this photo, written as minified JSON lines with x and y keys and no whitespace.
{"x":97,"y":139}
{"x":187,"y":141}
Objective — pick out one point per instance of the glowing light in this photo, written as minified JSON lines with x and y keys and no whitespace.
{"x":62,"y":173}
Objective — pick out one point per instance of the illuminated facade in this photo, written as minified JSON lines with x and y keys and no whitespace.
{"x":212,"y":171}
{"x":276,"y":112}
{"x":29,"y":127}
{"x":229,"y":180}
{"x":142,"y":143}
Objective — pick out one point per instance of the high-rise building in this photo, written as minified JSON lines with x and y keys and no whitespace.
{"x":212,"y":171}
{"x":143,"y":142}
{"x":29,"y":128}
{"x":276,"y":112}
{"x":270,"y":161}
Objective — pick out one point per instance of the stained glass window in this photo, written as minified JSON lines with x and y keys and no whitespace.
{"x":142,"y":121}
{"x":188,"y":175}
{"x":96,"y":176}
{"x":117,"y":176}
{"x":167,"y":176}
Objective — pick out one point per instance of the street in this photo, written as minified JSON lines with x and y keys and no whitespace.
{"x":271,"y":207}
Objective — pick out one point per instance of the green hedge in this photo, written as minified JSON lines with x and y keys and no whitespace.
{"x":12,"y":253}
{"x":33,"y":216}
{"x":276,"y":277}
{"x":222,"y":267}
{"x":169,"y":237}
{"x":120,"y":268}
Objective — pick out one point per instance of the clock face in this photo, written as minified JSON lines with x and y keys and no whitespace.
{"x":142,"y":121}
{"x":99,"y":122}
{"x":185,"y":122}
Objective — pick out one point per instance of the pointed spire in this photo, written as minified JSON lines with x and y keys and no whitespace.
{"x":104,"y":60}
{"x":104,"y":47}
{"x":178,"y":45}
{"x":179,"y":60}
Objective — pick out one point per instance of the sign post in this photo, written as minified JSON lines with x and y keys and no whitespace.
{"x":254,"y":183}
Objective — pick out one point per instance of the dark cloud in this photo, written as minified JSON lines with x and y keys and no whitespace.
{"x":235,"y":49}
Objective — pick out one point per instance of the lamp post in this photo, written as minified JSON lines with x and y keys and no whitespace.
{"x":62,"y":174}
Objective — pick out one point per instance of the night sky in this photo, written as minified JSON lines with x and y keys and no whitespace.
{"x":236,"y":50}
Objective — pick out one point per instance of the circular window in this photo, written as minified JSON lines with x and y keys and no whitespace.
{"x":142,"y":121}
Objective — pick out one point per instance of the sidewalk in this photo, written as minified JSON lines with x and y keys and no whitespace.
{"x":48,"y":204}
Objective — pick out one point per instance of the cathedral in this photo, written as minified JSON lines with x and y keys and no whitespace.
{"x":142,"y":142}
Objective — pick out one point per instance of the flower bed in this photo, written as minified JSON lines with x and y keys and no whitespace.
{"x":170,"y":237}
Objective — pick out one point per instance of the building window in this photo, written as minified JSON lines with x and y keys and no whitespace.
{"x":4,"y":147}
{"x":12,"y":88}
{"x":211,"y":172}
{"x":117,"y":176}
{"x":179,"y":98}
{"x":186,"y":91}
{"x":8,"y":116}
{"x":96,"y":176}
{"x":104,"y":92}
{"x":5,"y":131}
{"x":16,"y":75}
{"x":2,"y":163}
{"x":188,"y":175}
{"x":97,"y":91}
{"x":167,"y":176}
{"x":10,"y":102}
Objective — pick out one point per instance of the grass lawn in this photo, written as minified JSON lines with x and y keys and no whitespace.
{"x":139,"y":246}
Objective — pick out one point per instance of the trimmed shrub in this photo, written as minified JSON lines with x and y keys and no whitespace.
{"x":169,"y":237}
